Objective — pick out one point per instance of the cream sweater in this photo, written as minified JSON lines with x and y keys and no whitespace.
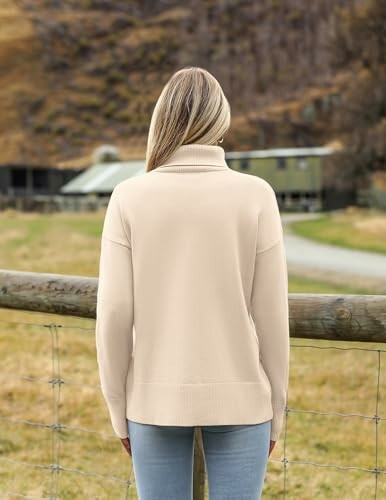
{"x":192,"y":322}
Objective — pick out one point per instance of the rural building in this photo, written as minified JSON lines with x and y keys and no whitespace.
{"x":101,"y":178}
{"x":294,"y":173}
{"x":28,"y":180}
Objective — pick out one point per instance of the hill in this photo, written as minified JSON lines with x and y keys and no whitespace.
{"x":79,"y":73}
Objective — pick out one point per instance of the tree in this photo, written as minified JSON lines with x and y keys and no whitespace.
{"x":359,"y":45}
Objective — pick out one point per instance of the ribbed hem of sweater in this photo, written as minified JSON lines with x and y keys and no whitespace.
{"x":201,"y":404}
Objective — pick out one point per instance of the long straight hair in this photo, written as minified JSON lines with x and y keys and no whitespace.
{"x":191,"y":109}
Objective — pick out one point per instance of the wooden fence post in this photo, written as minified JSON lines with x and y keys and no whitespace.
{"x":199,"y":467}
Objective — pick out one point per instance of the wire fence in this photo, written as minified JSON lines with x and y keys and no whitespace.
{"x":56,"y":381}
{"x":56,"y":468}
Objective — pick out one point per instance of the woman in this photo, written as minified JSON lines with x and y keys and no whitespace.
{"x":192,"y":309}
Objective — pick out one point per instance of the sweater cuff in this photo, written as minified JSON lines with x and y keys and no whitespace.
{"x":277,"y":421}
{"x":117,"y":410}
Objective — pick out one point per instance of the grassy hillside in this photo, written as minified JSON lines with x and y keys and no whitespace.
{"x":78,"y":73}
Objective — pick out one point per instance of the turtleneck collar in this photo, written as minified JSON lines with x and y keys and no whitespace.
{"x":195,"y":158}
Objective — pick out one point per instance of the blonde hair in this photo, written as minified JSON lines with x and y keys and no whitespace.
{"x":191,"y":109}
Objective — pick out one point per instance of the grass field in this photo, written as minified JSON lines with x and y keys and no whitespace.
{"x":332,"y":380}
{"x":352,"y":228}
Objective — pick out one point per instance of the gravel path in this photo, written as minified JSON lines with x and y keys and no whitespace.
{"x":305,"y":256}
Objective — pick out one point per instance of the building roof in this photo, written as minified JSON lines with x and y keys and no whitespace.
{"x":280,"y":152}
{"x":103,"y":177}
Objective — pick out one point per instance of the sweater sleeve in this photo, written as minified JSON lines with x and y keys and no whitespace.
{"x":269,"y":307}
{"x":114,"y":315}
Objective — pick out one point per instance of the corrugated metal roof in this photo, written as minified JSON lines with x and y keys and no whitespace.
{"x":280,"y":152}
{"x":103,"y":177}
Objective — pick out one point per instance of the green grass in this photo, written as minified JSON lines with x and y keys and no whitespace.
{"x":300,"y":284}
{"x":64,"y":243}
{"x":359,"y":229}
{"x":323,"y":380}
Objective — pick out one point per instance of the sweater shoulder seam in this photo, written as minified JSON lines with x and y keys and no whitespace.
{"x":270,"y":246}
{"x":118,"y":242}
{"x":122,"y":224}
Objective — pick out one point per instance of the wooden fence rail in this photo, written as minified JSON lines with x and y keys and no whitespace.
{"x":359,"y":318}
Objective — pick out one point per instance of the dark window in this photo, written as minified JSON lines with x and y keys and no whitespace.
{"x":281,"y":162}
{"x":40,"y":178}
{"x":18,"y":177}
{"x":244,"y":163}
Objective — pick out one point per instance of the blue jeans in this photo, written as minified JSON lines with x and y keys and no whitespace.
{"x":236,"y":459}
